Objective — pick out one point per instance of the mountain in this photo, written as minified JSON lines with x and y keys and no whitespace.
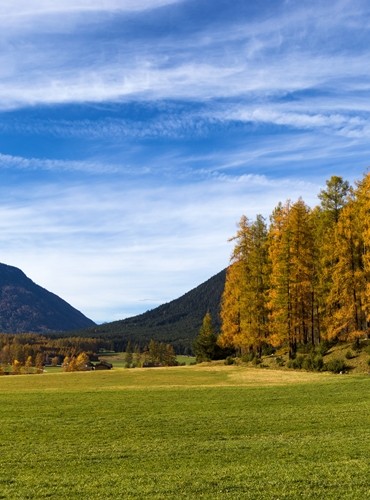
{"x":27,"y":307}
{"x":176,"y":322}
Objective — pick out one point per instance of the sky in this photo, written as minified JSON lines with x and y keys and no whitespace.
{"x":134,"y":134}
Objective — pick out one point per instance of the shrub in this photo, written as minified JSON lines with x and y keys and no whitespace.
{"x":356,"y":346}
{"x":350,"y":355}
{"x":267,"y":350}
{"x":279,"y":361}
{"x":250,"y":356}
{"x":298,"y":361}
{"x":318,"y":363}
{"x":336,"y":366}
{"x":229,"y":360}
{"x":323,"y":347}
{"x":313,"y":362}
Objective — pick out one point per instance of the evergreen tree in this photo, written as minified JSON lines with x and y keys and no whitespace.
{"x":205,"y":345}
{"x":333,"y":198}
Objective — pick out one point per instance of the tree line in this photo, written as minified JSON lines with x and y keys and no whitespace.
{"x":29,"y":352}
{"x":302,"y":278}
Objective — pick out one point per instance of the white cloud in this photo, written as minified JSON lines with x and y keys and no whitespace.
{"x":252,"y":59}
{"x":34,"y":8}
{"x":111,"y":247}
{"x":18,"y":162}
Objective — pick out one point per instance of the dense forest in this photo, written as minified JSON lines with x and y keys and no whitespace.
{"x":176,"y":322}
{"x":302,"y":278}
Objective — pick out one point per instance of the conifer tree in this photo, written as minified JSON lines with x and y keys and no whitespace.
{"x":333,"y":200}
{"x":244,"y":302}
{"x":205,"y":346}
{"x":363,"y":204}
{"x":292,"y":291}
{"x":347,"y":300}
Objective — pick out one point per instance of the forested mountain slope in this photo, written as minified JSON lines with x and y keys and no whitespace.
{"x":27,"y":307}
{"x":175,"y":322}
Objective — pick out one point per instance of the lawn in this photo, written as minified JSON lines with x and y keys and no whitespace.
{"x":209,"y":432}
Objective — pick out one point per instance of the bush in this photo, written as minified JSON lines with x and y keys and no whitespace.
{"x":350,"y":355}
{"x":250,"y":356}
{"x":356,"y":346}
{"x":318,"y":363}
{"x":267,"y":350}
{"x":323,"y":347}
{"x":229,"y":360}
{"x":256,"y":361}
{"x":279,"y":361}
{"x":336,"y":366}
{"x":298,"y":362}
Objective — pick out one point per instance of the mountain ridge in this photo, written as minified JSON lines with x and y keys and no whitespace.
{"x":176,"y":322}
{"x":28,"y":307}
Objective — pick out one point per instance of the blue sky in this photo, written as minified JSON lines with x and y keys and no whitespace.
{"x":135,"y":133}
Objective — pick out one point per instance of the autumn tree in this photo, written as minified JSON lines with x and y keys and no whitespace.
{"x":158,"y":354}
{"x":363,"y":212}
{"x":292,"y":290}
{"x":39,"y":362}
{"x":347,"y":300}
{"x":334,"y":197}
{"x":28,"y":365}
{"x":244,"y":302}
{"x":326,"y":217}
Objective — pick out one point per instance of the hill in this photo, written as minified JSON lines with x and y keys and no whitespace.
{"x":27,"y":307}
{"x":176,"y":322}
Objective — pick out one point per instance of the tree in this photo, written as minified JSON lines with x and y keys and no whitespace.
{"x":66,"y":364}
{"x":28,"y":365}
{"x":292,"y":291}
{"x":128,"y":355}
{"x":205,"y":345}
{"x":244,"y":303}
{"x":16,"y":367}
{"x":39,"y":362}
{"x":333,"y":199}
{"x":347,"y":300}
{"x":363,"y":213}
{"x":82,"y":361}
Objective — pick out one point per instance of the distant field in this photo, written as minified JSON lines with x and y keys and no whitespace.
{"x":209,"y":432}
{"x":118,"y":359}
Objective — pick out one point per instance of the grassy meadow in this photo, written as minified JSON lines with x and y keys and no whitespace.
{"x":211,"y":432}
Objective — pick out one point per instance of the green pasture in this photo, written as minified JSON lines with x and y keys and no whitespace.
{"x":209,"y":432}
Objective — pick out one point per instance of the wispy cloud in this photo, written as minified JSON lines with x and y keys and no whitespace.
{"x":259,"y":60}
{"x":24,"y":8}
{"x":124,"y":244}
{"x":134,"y":134}
{"x":18,"y":162}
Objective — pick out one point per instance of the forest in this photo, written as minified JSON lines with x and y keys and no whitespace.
{"x":304,"y":278}
{"x":29,"y":352}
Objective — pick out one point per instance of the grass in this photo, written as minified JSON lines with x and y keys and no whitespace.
{"x":118,"y":359}
{"x":209,"y":432}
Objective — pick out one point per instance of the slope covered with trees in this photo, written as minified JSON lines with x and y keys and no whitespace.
{"x":27,"y":307}
{"x":176,"y":322}
{"x":303,"y":279}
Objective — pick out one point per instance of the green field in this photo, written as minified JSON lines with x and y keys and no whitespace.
{"x":191,"y":432}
